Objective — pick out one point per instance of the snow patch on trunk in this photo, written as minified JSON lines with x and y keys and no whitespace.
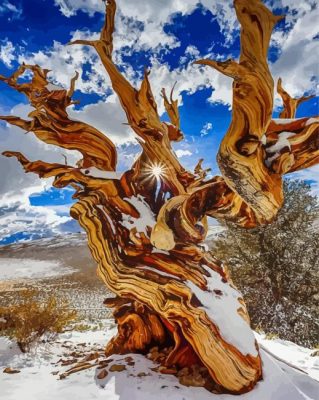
{"x":281,"y":142}
{"x":284,"y":121}
{"x":147,"y":217}
{"x":312,"y":121}
{"x":221,"y":302}
{"x":98,"y":173}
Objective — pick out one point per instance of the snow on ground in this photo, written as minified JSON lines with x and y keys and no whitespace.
{"x":18,"y":268}
{"x":292,"y":353}
{"x":138,"y":381}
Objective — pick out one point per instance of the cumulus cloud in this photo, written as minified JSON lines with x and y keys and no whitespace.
{"x":154,"y":14}
{"x":140,"y":26}
{"x":64,"y":60}
{"x":108,"y":117}
{"x":191,"y":54}
{"x":298,"y":61}
{"x":182,"y":153}
{"x":17,"y":214}
{"x":20,"y":218}
{"x":206,"y":128}
{"x":71,"y":7}
{"x":189,"y":79}
{"x":7,"y":53}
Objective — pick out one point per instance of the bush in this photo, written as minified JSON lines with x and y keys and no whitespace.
{"x":31,"y":319}
{"x":276,"y":267}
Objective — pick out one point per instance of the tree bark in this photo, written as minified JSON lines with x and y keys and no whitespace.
{"x":146,"y":227}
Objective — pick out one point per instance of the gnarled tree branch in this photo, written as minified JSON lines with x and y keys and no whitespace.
{"x":146,"y":226}
{"x":290,"y":104}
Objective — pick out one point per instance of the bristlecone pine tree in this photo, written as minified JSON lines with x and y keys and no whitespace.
{"x":276,"y":266}
{"x":145,"y":227}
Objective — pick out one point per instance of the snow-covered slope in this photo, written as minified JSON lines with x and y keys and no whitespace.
{"x":17,"y":268}
{"x":299,"y":356}
{"x":137,"y":380}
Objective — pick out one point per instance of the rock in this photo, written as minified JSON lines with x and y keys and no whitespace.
{"x":117,"y":368}
{"x":102,"y":374}
{"x":9,"y":370}
{"x":168,"y":371}
{"x":104,"y":363}
{"x":155,"y":355}
{"x":131,"y":363}
{"x":190,"y":380}
{"x":142,"y":374}
{"x":182,"y":372}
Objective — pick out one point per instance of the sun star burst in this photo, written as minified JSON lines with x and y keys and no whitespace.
{"x":155,"y":170}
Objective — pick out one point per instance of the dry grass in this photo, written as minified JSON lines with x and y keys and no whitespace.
{"x":30,"y":319}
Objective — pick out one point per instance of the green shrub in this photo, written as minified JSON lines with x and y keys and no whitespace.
{"x":276,"y":266}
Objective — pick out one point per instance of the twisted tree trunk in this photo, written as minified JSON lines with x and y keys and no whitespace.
{"x":145,"y":226}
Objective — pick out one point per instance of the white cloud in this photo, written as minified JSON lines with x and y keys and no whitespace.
{"x":206,"y":128}
{"x":182,"y":153}
{"x":8,"y":8}
{"x":295,"y":10}
{"x":189,"y":79}
{"x":154,"y":14}
{"x":21,"y":217}
{"x":17,"y":214}
{"x":298,"y":61}
{"x":7,"y":53}
{"x":64,"y":60}
{"x":140,"y":26}
{"x":70,"y":7}
{"x":191,"y":54}
{"x":108,"y":117}
{"x":192,"y":51}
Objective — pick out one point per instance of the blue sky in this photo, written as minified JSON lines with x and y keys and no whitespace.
{"x":164,"y":35}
